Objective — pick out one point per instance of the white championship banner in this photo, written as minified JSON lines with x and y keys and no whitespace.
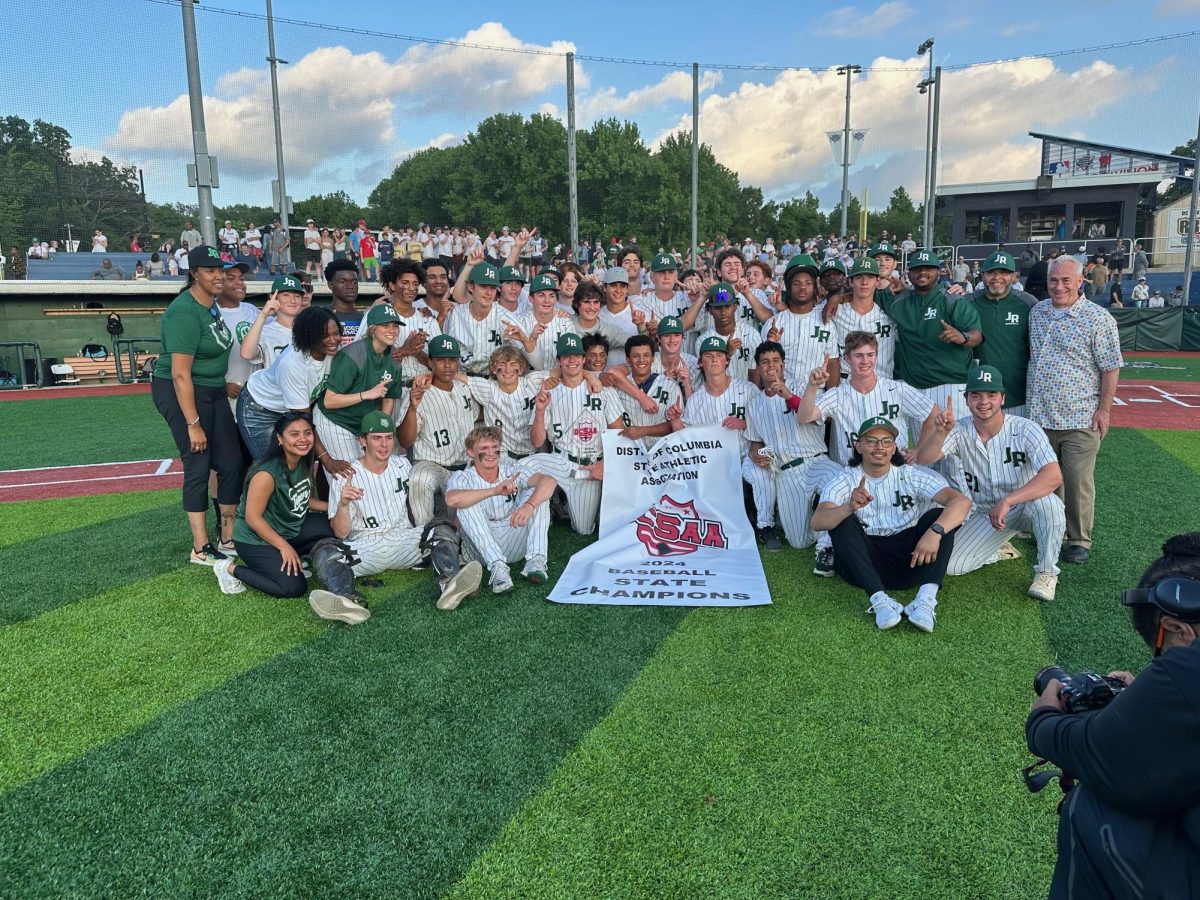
{"x":673,"y":529}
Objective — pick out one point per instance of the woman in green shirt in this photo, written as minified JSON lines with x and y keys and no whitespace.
{"x":281,"y":519}
{"x":188,"y":389}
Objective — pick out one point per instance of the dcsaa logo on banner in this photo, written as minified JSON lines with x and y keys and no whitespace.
{"x":672,"y":531}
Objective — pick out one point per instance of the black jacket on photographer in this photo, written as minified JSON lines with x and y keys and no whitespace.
{"x":1141,"y":753}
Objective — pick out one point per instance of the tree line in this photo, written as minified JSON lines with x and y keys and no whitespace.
{"x":511,"y":170}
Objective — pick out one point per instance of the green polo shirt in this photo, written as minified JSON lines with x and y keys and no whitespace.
{"x":923,"y":359}
{"x":190,"y":328}
{"x":286,"y":507}
{"x":357,"y":367}
{"x":1005,"y":326}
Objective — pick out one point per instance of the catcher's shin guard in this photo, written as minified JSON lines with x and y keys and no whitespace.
{"x":331,"y":562}
{"x":441,"y":541}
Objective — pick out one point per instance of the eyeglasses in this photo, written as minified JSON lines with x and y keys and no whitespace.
{"x":880,"y":442}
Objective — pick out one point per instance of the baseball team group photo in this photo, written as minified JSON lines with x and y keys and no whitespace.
{"x":629,"y":531}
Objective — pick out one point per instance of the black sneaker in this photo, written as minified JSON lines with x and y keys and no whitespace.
{"x":207,"y":555}
{"x":770,"y":539}
{"x":823,"y":564}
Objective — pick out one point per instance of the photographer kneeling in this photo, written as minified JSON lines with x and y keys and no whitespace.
{"x":1131,"y":827}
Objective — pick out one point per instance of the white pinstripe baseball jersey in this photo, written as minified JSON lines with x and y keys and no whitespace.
{"x":693,"y":367}
{"x":428,"y":325}
{"x":704,"y":323}
{"x":444,"y":419}
{"x":510,"y":412}
{"x":676,"y":305}
{"x":497,"y":508}
{"x":384,"y":504}
{"x":576,"y":419}
{"x":741,"y":361}
{"x":849,"y":408}
{"x":663,"y":391}
{"x":544,"y":355}
{"x":478,"y":338}
{"x":807,"y":341}
{"x":898,"y":499}
{"x":704,"y":408}
{"x":875,"y":321}
{"x":1005,"y":463}
{"x":771,"y":423}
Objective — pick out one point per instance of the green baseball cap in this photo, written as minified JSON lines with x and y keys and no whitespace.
{"x":924,"y":259}
{"x":865,"y":265}
{"x":1001,"y":259}
{"x":382,"y":314}
{"x":377,"y":422}
{"x":878,"y":422}
{"x":669,"y":325}
{"x":549,"y":270}
{"x":485,"y":273}
{"x":508,"y":273}
{"x":287,"y":283}
{"x":833,"y":265}
{"x":543,"y":283}
{"x":443,"y":346}
{"x":713,"y":343}
{"x":664,"y":262}
{"x":984,"y":378}
{"x":884,"y":248}
{"x":801,"y":262}
{"x":721,"y":294}
{"x":569,"y":344}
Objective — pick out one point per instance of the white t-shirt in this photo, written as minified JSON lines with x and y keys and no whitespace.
{"x":294,"y":381}
{"x":312,"y":239}
{"x":238,"y":320}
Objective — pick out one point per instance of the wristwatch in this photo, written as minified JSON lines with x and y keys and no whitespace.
{"x":937,"y":529}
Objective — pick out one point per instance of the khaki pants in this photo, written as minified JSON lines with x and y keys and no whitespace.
{"x":1076,"y":450}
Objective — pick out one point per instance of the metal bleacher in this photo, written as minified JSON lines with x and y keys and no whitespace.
{"x":80,"y":266}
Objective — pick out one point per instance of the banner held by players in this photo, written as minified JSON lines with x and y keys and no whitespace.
{"x":673,"y":530}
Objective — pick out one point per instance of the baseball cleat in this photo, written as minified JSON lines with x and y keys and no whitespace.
{"x":464,"y":584}
{"x":336,"y":608}
{"x":1044,"y":586}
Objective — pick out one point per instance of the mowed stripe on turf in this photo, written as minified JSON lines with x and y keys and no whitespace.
{"x":33,"y":519}
{"x":375,"y":760}
{"x":796,"y":751}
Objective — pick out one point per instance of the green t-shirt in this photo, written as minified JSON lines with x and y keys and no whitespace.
{"x":1005,"y":325}
{"x":200,"y":332}
{"x":286,"y":507}
{"x":357,"y":367}
{"x":923,"y":359}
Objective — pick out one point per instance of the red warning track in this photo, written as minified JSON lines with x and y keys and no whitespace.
{"x":78,"y":481}
{"x":1157,"y":404}
{"x":74,"y":391}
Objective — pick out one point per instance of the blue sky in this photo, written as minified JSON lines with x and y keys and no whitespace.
{"x":354,"y":105}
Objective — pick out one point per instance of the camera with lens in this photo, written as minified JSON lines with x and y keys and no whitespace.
{"x":1081,"y":692}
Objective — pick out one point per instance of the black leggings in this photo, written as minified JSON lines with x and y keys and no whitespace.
{"x":261,"y":563}
{"x":224,"y":451}
{"x":876,"y":563}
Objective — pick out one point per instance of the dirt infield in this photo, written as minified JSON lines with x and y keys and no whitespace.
{"x":67,"y":392}
{"x":102,"y":478}
{"x":1157,"y":404}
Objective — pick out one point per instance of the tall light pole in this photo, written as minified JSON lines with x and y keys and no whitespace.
{"x":202,"y":173}
{"x":927,"y":227}
{"x":283,"y":197}
{"x":848,"y":71}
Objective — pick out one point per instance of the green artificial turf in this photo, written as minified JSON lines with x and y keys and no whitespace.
{"x":794,"y":750}
{"x":40,"y":433}
{"x":1180,"y":367}
{"x":24,"y":520}
{"x":1183,"y":445}
{"x":374,"y":760}
{"x":43,"y":573}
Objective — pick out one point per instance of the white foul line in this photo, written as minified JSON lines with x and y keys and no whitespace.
{"x":30,"y":484}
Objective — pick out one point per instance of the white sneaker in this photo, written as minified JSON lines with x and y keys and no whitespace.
{"x":887,"y":612}
{"x":500,"y":580}
{"x":337,"y":608}
{"x":535,"y":570}
{"x":1043,"y":587}
{"x":921,"y":613}
{"x":229,"y":584}
{"x":464,"y":584}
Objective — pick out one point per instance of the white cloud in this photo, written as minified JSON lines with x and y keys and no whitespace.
{"x":773,"y":134}
{"x":338,"y":104}
{"x":675,"y":86}
{"x":849,"y":22}
{"x":1176,"y":7}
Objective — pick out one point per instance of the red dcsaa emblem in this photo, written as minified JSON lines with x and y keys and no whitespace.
{"x":675,"y":529}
